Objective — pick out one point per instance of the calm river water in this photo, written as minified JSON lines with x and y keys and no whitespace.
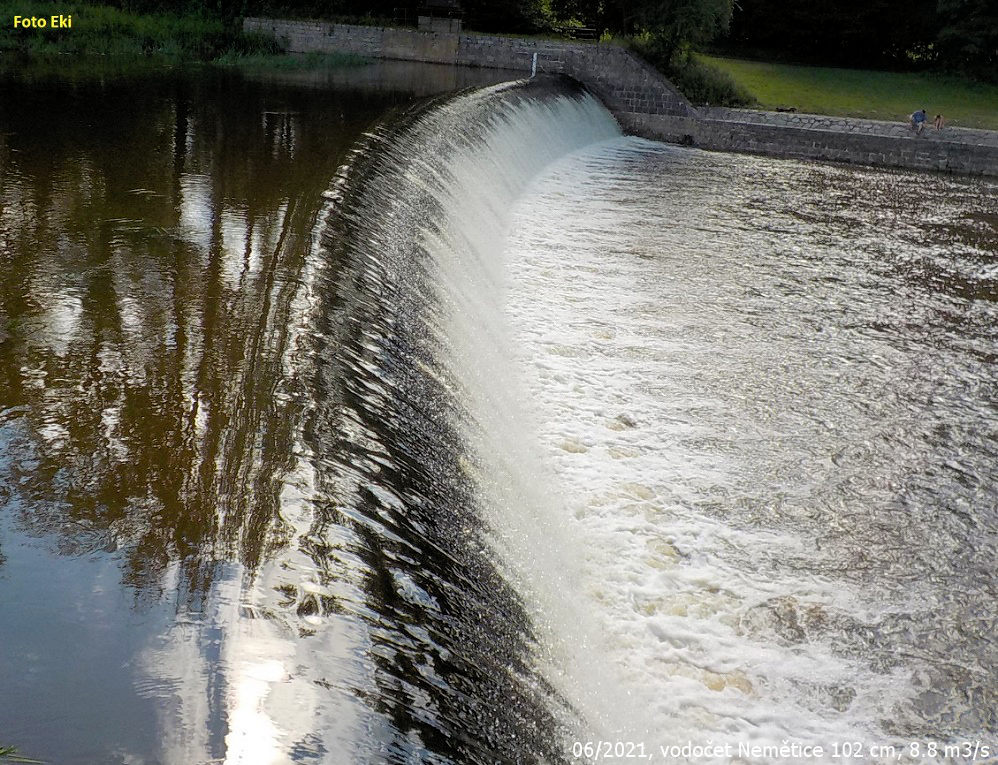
{"x":340,"y":422}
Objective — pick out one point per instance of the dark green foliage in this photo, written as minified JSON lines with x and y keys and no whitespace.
{"x":676,"y":23}
{"x":698,"y":81}
{"x":968,"y":36}
{"x":672,"y":24}
{"x":103,"y":30}
{"x":703,"y":84}
{"x":483,"y":15}
{"x":892,"y":34}
{"x":588,"y":13}
{"x":846,"y":33}
{"x":346,"y":11}
{"x":517,"y":16}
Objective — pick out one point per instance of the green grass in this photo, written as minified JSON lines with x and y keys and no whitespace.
{"x":697,"y":80}
{"x":863,"y":93}
{"x":105,"y":31}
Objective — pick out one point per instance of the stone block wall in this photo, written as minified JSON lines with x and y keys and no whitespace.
{"x":619,"y":78}
{"x":948,"y":153}
{"x":647,"y":104}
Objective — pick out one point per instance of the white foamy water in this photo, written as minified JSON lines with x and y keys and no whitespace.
{"x":731,"y":456}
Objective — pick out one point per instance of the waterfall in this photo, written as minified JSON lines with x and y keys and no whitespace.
{"x":396,"y":626}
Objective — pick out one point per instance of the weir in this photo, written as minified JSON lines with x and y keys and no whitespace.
{"x":484,"y":436}
{"x":415,"y":645}
{"x":647,"y":104}
{"x":414,"y":235}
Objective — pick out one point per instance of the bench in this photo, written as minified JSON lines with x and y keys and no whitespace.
{"x":579,"y":33}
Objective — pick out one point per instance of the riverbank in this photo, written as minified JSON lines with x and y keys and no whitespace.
{"x":861,"y":93}
{"x":96,"y":30}
{"x":647,"y":104}
{"x":97,"y":42}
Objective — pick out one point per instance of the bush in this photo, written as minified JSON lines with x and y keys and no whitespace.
{"x":703,"y":84}
{"x":698,"y":81}
{"x":103,"y":30}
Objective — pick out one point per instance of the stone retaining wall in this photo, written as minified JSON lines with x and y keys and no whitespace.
{"x":647,"y":104}
{"x":620,"y":79}
{"x":971,"y":152}
{"x":851,"y":125}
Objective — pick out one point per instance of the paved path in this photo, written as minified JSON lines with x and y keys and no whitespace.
{"x":851,"y":126}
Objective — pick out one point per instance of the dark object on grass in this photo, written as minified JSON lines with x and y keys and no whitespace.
{"x":579,"y":33}
{"x":440,"y":16}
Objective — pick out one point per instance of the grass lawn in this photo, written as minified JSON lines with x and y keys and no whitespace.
{"x":864,"y":93}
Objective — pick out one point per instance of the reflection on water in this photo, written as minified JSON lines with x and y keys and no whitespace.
{"x":266,"y":493}
{"x":154,"y":240}
{"x":157,"y":252}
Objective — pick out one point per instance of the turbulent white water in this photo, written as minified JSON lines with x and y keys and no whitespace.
{"x":579,"y":384}
{"x":725,"y":458}
{"x":734,"y":415}
{"x":637,"y":443}
{"x":522,"y":439}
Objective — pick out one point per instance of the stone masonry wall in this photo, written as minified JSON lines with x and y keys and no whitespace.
{"x":971,"y":152}
{"x":647,"y":104}
{"x":620,"y":79}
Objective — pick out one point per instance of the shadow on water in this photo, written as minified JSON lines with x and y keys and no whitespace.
{"x":157,"y":365}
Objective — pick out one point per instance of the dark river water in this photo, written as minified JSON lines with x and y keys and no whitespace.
{"x":344,"y":421}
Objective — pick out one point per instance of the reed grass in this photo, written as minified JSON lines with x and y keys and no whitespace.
{"x":283,"y":62}
{"x":9,"y":754}
{"x":100,"y":30}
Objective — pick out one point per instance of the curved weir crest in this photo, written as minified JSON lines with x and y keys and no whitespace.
{"x":408,"y":282}
{"x":421,"y":293}
{"x":503,"y":300}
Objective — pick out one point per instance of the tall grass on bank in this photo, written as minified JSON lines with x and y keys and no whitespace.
{"x":104,"y":31}
{"x":700,"y":82}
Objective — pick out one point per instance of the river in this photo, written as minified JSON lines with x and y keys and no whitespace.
{"x":346,"y":420}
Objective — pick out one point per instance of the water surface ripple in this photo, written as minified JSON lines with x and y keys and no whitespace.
{"x":769,"y":392}
{"x":333,"y":431}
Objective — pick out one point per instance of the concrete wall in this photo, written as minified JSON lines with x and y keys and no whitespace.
{"x":647,"y":104}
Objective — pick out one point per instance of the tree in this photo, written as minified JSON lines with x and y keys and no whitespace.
{"x":968,"y":36}
{"x":505,"y":15}
{"x":677,"y":24}
{"x":588,"y":12}
{"x":668,"y":24}
{"x":881,"y":33}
